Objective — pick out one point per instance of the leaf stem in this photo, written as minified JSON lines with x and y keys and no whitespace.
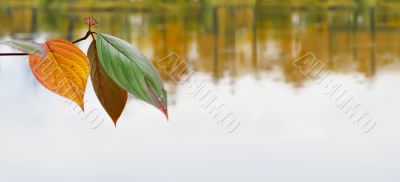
{"x":94,"y":39}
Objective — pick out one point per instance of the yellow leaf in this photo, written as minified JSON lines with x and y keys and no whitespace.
{"x":64,"y":69}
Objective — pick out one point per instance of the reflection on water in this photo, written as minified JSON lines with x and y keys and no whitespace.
{"x":233,"y":41}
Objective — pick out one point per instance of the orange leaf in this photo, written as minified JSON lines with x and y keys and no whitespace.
{"x":63,"y":70}
{"x":111,"y":96}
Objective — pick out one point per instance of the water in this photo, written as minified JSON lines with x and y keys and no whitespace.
{"x":290,"y":127}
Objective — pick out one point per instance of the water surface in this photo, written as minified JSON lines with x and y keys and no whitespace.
{"x":289,"y":128}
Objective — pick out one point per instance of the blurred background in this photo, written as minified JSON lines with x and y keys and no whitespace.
{"x":243,"y":50}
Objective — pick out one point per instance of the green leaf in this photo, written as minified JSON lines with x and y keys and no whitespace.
{"x":131,"y":70}
{"x":111,"y":96}
{"x":26,"y":47}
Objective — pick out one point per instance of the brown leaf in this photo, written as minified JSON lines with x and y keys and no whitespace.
{"x":111,"y":96}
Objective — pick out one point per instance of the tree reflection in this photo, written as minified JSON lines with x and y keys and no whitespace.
{"x":234,"y":41}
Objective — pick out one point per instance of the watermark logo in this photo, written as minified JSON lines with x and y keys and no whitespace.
{"x":314,"y":69}
{"x":207,"y":98}
{"x":92,"y":118}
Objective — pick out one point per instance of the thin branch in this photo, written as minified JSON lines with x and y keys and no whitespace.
{"x":83,"y":38}
{"x":89,"y":33}
{"x":14,"y":54}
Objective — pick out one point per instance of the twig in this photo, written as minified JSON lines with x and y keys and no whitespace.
{"x":88,"y":33}
{"x":83,"y":38}
{"x":14,"y":54}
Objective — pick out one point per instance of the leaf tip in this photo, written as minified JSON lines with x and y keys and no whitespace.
{"x":115,"y":120}
{"x":82,"y":107}
{"x":80,"y":103}
{"x":165,"y":111}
